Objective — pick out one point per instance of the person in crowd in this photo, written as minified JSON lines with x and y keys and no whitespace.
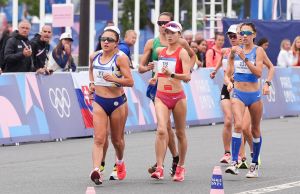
{"x":40,"y":45}
{"x":202,"y":48}
{"x":198,"y":36}
{"x":214,"y":55}
{"x":6,"y":34}
{"x":188,"y":36}
{"x":285,"y":57}
{"x":173,"y":67}
{"x":264,"y":43}
{"x":129,"y":41}
{"x":296,"y":51}
{"x":61,"y":58}
{"x":247,"y":64}
{"x":198,"y":62}
{"x":108,"y":72}
{"x":17,"y":51}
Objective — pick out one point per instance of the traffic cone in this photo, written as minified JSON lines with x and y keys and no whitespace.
{"x":90,"y":190}
{"x":217,"y":181}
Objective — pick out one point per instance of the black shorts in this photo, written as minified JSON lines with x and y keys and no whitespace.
{"x":224,"y":93}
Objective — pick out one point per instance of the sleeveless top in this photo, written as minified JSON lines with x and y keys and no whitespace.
{"x":172,"y":61}
{"x":241,"y":71}
{"x":111,"y":67}
{"x":156,"y":44}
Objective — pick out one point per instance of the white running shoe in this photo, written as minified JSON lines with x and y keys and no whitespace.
{"x":113,"y":175}
{"x":232,"y":169}
{"x":253,"y":171}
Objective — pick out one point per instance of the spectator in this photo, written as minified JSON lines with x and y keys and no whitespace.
{"x":214,"y":55}
{"x":285,"y":56}
{"x":17,"y":52}
{"x":194,"y":46}
{"x":296,"y":51}
{"x":61,"y":58}
{"x":198,"y":36}
{"x":40,"y":48}
{"x":264,"y":43}
{"x":202,"y":48}
{"x":129,"y":41}
{"x":6,"y":34}
{"x":188,"y":36}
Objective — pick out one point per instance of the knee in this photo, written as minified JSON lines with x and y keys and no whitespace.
{"x":180,"y":134}
{"x":228,"y":123}
{"x":238,"y":127}
{"x":161,"y":133}
{"x":99,"y":140}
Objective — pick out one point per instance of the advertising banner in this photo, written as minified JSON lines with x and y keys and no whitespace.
{"x":60,"y":101}
{"x":22,"y":113}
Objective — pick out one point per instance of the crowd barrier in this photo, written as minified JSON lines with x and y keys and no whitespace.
{"x":41,"y":108}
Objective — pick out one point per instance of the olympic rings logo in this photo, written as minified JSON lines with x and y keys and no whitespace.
{"x":60,"y":100}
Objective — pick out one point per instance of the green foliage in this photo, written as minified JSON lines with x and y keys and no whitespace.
{"x":3,"y":3}
{"x":127,"y":19}
{"x":33,"y":6}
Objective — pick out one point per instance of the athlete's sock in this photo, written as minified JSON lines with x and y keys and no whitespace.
{"x":103,"y":163}
{"x":176,"y":159}
{"x":236,"y":144}
{"x":227,"y":152}
{"x":256,"y":149}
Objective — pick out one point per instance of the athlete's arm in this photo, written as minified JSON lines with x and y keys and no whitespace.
{"x":127,"y":80}
{"x":229,"y":71}
{"x":185,"y":60}
{"x":91,"y":75}
{"x":257,"y":68}
{"x":270,"y":66}
{"x":184,"y":44}
{"x":144,"y":67}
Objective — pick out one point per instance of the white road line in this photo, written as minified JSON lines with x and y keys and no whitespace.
{"x":272,"y":188}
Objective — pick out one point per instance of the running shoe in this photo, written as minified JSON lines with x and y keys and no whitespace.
{"x":232,"y":169}
{"x":226,"y":158}
{"x":96,"y":176}
{"x":158,"y":174}
{"x":152,"y":169}
{"x":179,"y":174}
{"x":121,"y":171}
{"x":243,"y":164}
{"x":253,"y":171}
{"x":174,"y":166}
{"x":102,"y":168}
{"x":114,"y":174}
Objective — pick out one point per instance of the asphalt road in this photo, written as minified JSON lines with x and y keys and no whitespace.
{"x":64,"y":167}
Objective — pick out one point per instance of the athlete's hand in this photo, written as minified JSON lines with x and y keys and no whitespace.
{"x":230,"y":87}
{"x":166,"y":71}
{"x":266,"y":89}
{"x":108,"y":77}
{"x":150,"y":66}
{"x":0,"y":71}
{"x":91,"y":91}
{"x":152,"y":81}
{"x":212,"y":75}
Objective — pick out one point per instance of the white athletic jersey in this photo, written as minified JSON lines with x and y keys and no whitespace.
{"x":111,"y":67}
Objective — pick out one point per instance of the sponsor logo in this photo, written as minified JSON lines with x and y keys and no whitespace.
{"x":60,"y":101}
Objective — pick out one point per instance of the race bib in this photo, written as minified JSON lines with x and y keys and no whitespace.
{"x":241,"y":67}
{"x":169,"y":63}
{"x":99,"y":80}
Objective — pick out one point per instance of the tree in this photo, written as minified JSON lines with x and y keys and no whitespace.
{"x":127,"y":19}
{"x":33,"y":6}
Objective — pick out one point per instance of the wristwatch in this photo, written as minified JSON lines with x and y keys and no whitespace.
{"x":268,"y":82}
{"x":172,"y":75}
{"x":246,"y":60}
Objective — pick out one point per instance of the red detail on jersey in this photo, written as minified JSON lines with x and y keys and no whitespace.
{"x":168,"y":87}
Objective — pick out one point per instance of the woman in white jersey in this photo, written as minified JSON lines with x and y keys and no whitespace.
{"x":109,"y":71}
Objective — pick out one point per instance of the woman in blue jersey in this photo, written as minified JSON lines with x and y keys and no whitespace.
{"x":247,"y":64}
{"x":109,"y":71}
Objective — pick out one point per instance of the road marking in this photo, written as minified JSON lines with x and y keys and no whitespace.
{"x":90,"y":190}
{"x":272,"y":188}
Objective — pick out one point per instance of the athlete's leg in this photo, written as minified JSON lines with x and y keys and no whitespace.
{"x":227,"y":129}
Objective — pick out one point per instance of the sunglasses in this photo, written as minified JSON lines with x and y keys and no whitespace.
{"x":108,"y":39}
{"x":160,"y":23}
{"x":247,"y":33}
{"x":232,"y":36}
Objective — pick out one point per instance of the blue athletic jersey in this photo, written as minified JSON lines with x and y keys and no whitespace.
{"x":241,"y":71}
